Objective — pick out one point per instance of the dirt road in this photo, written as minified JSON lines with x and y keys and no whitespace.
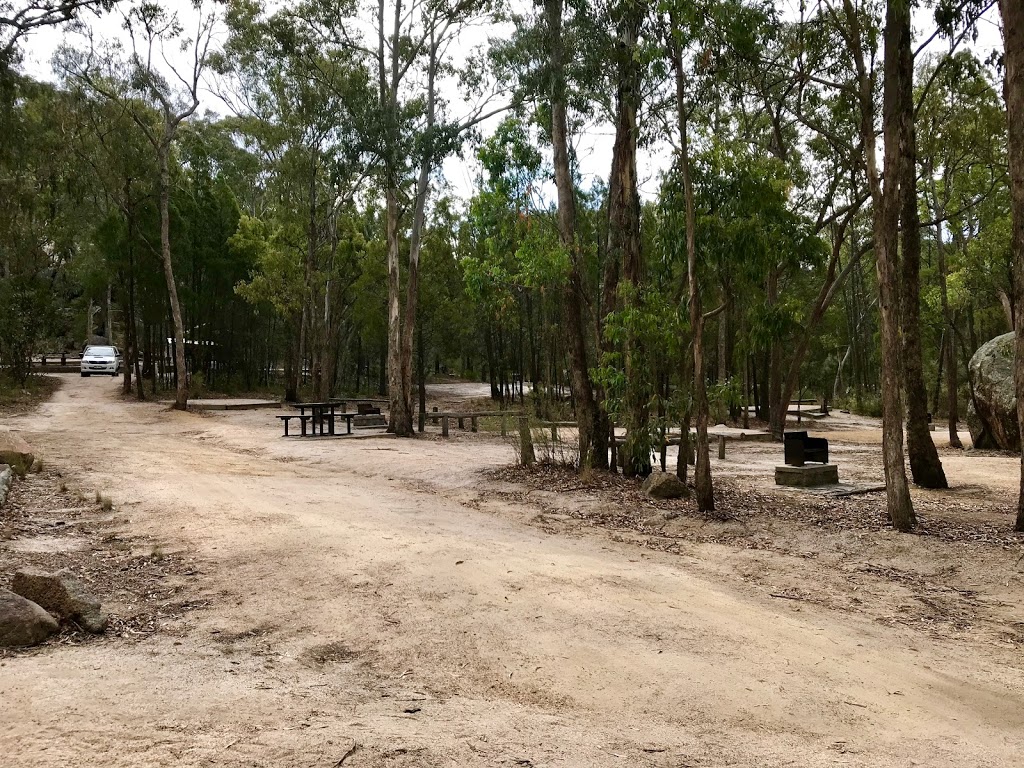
{"x":367,"y":609}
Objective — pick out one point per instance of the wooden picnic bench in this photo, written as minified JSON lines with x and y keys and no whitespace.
{"x":302,"y":420}
{"x":320,"y":415}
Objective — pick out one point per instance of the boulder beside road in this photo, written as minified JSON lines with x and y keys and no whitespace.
{"x":22,"y":622}
{"x":62,"y":595}
{"x":664,"y":485}
{"x":992,"y":416}
{"x":15,"y":451}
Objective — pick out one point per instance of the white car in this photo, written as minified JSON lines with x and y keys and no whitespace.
{"x":101,"y":360}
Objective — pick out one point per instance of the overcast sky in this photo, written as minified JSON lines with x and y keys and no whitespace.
{"x":594,"y":148}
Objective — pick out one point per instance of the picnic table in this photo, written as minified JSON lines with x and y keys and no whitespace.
{"x":319,"y":416}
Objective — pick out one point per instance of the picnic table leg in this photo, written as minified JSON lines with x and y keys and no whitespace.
{"x":472,"y":422}
{"x":462,"y":424}
{"x":444,"y":426}
{"x":286,"y":427}
{"x":302,"y":423}
{"x":348,"y":425}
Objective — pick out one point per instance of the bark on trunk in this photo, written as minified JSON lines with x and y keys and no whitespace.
{"x":925,"y":466}
{"x":885,"y":222}
{"x":181,"y":395}
{"x":702,"y":472}
{"x":947,"y":317}
{"x":624,"y":243}
{"x":396,"y":397}
{"x":885,"y":225}
{"x":1013,"y":38}
{"x":573,"y":297}
{"x":778,"y":406}
{"x":604,"y":430}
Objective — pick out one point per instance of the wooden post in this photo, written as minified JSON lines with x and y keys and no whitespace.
{"x":433,"y":419}
{"x":444,"y":426}
{"x":721,"y":446}
{"x":554,"y":432}
{"x":472,"y":422}
{"x":526,"y":455}
{"x":504,"y":425}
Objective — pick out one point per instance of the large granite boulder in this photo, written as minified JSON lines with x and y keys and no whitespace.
{"x":15,"y":451}
{"x":62,"y":595}
{"x":992,"y":416}
{"x":664,"y":485}
{"x":22,"y":622}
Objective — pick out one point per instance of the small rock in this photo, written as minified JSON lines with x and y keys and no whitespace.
{"x":15,"y":451}
{"x":664,"y":485}
{"x":22,"y":622}
{"x":63,"y":595}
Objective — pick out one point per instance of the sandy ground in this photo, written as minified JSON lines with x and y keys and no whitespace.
{"x":382,"y":603}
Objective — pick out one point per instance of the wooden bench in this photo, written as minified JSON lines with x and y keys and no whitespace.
{"x":303,"y":419}
{"x":799,"y":448}
{"x":446,"y":416}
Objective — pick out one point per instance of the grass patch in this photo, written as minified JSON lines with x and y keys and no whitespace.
{"x":15,"y":397}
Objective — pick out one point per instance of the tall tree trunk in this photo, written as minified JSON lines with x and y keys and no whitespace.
{"x":885,"y":222}
{"x":925,"y":465}
{"x":604,"y":431}
{"x":885,"y":226}
{"x":947,"y":315}
{"x":394,"y":359}
{"x":1013,"y":43}
{"x":573,"y":297}
{"x":702,"y":472}
{"x":778,"y":405}
{"x":624,"y":240}
{"x":181,"y":396}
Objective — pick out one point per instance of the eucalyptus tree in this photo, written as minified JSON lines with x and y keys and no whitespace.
{"x":1013,"y":60}
{"x":296,"y":102}
{"x":45,"y":199}
{"x":963,"y":177}
{"x":695,"y":38}
{"x":20,"y":18}
{"x":412,"y":49}
{"x":145,"y":80}
{"x":122,"y":168}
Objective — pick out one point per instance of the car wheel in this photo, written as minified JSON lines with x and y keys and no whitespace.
{"x":85,"y":375}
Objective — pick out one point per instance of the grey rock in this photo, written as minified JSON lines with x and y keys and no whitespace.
{"x":992,"y":416}
{"x":63,"y":595}
{"x":6,"y":478}
{"x":664,"y":485}
{"x":15,"y":451}
{"x":22,"y":622}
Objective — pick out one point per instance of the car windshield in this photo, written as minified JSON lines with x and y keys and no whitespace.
{"x":100,"y":351}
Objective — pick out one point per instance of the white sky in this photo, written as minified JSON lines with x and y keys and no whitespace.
{"x":594,"y":149}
